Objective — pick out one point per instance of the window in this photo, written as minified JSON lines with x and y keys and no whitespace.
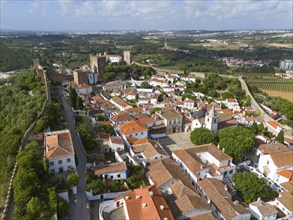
{"x":277,"y":180}
{"x":141,"y":132}
{"x":130,"y":135}
{"x":268,"y":162}
{"x":135,"y":134}
{"x":52,"y":163}
{"x":60,"y":169}
{"x":69,"y":167}
{"x":118,"y":175}
{"x":111,"y":177}
{"x":60,"y":162}
{"x":52,"y":171}
{"x":68,"y":160}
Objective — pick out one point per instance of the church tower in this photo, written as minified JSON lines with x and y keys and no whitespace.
{"x":211,"y":120}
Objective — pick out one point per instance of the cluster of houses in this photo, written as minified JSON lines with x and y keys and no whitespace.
{"x":189,"y":183}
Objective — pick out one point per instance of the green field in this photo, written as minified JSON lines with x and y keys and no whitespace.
{"x":277,"y":85}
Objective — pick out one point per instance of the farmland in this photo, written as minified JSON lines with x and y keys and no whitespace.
{"x":277,"y":85}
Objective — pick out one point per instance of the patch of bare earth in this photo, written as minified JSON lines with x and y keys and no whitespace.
{"x":285,"y":95}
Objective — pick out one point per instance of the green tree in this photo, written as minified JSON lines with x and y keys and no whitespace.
{"x":73,"y":179}
{"x":254,"y":128}
{"x":41,"y":124}
{"x":251,"y":187}
{"x":52,"y":114}
{"x":52,"y":199}
{"x":201,"y":136}
{"x":236,"y":141}
{"x":108,"y":129}
{"x":72,"y":97}
{"x":62,"y":209}
{"x":280,"y":137}
{"x":79,"y":103}
{"x":145,"y":85}
{"x":97,"y":186}
{"x":116,"y":185}
{"x":34,"y":208}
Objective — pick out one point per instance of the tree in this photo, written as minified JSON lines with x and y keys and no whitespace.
{"x":73,"y":179}
{"x":62,"y":208}
{"x":201,"y":136}
{"x":72,"y":97}
{"x":97,"y":186}
{"x":109,"y":129}
{"x":146,"y":85}
{"x":116,"y":185}
{"x":236,"y":141}
{"x":41,"y":124}
{"x":280,"y":137}
{"x":52,"y":114}
{"x":34,"y":208}
{"x":52,"y":199}
{"x":251,"y":187}
{"x":254,"y":128}
{"x":79,"y":103}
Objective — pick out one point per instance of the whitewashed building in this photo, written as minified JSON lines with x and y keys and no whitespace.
{"x":59,"y":151}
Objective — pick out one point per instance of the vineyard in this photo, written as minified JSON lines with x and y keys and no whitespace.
{"x":275,"y":85}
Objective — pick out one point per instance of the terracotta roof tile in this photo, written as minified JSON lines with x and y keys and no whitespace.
{"x":283,"y":159}
{"x":264,"y":208}
{"x":215,"y":191}
{"x":153,"y":200}
{"x":120,"y":102}
{"x":58,"y":144}
{"x":109,"y":168}
{"x":272,"y":148}
{"x":132,"y":127}
{"x":286,"y":199}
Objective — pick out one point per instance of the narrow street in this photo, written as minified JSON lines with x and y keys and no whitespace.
{"x":81,"y":212}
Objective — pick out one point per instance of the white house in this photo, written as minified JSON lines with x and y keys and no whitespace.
{"x":120,"y":104}
{"x":134,"y":130}
{"x":113,"y":86}
{"x":113,"y":171}
{"x":113,"y":58}
{"x":83,"y":89}
{"x":271,"y":164}
{"x":204,"y":161}
{"x":216,"y":193}
{"x":116,"y":143}
{"x":147,"y":150}
{"x":59,"y":151}
{"x":285,"y":203}
{"x":143,"y":203}
{"x":274,"y":127}
{"x":263,"y":211}
{"x":232,"y":104}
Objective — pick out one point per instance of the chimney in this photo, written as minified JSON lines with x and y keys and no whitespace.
{"x":161,"y":207}
{"x":144,"y":205}
{"x":226,"y":187}
{"x":236,"y":202}
{"x":151,"y":193}
{"x":258,"y":199}
{"x":137,"y":197}
{"x":126,"y":197}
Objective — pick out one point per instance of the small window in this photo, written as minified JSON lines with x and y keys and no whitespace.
{"x":112,"y":177}
{"x":69,"y":167}
{"x":277,"y":180}
{"x":268,"y":162}
{"x":118,"y":175}
{"x":60,"y":162}
{"x":52,"y":171}
{"x":52,"y":163}
{"x":135,"y":134}
{"x":141,"y":132}
{"x":68,"y":160}
{"x":130,"y":135}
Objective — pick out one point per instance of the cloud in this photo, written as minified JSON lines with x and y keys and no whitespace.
{"x":162,"y":14}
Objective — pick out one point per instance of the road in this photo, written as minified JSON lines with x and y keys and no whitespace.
{"x":81,"y":211}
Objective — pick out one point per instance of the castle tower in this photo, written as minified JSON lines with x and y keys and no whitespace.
{"x":97,"y":64}
{"x":127,"y":56}
{"x":211,"y":121}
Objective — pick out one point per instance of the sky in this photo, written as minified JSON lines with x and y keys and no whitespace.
{"x":97,"y":15}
